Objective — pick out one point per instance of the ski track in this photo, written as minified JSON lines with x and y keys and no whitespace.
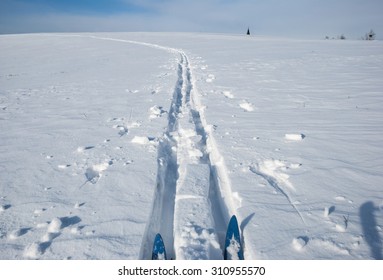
{"x":191,"y":176}
{"x":273,"y":182}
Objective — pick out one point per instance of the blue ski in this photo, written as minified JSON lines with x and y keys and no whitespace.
{"x":233,"y":245}
{"x":159,"y":252}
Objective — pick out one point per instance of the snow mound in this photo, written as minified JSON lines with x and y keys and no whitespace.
{"x":93,"y":173}
{"x":299,"y":243}
{"x":294,"y":137}
{"x":228,"y":94}
{"x":247,"y":106}
{"x":156,"y":112}
{"x":55,"y":225}
{"x":141,"y":140}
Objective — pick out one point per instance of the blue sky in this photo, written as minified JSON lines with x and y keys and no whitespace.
{"x":291,"y":18}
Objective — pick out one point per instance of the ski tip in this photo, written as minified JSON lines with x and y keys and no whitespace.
{"x":233,"y":246}
{"x":159,"y":252}
{"x":233,"y":220}
{"x":158,"y":237}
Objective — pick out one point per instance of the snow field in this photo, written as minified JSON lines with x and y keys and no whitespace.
{"x":299,"y":144}
{"x":112,"y":138}
{"x":65,"y":151}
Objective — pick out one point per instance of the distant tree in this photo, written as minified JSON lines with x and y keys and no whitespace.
{"x":248,"y":31}
{"x":342,"y":37}
{"x":370,"y":36}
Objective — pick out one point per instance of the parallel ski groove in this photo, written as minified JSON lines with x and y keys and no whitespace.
{"x":211,"y":228}
{"x":185,"y":107}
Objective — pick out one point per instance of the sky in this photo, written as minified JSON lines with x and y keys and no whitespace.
{"x":286,"y":18}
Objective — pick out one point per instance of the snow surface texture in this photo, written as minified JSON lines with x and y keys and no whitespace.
{"x":107,"y":139}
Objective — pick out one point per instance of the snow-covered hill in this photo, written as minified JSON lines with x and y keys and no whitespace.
{"x":107,"y":139}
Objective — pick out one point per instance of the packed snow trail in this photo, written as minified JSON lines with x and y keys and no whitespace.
{"x":186,"y":187}
{"x":192,"y":201}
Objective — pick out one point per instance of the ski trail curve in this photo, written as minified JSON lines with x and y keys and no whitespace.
{"x":273,"y":182}
{"x":193,"y":200}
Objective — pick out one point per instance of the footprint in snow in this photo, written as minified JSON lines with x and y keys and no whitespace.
{"x":19,"y":232}
{"x":54,"y":229}
{"x":4,"y":207}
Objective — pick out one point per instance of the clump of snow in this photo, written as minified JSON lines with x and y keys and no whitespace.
{"x":299,"y":243}
{"x":156,"y":112}
{"x":55,"y":225}
{"x":340,"y":198}
{"x":93,"y":173}
{"x":161,"y":256}
{"x":275,"y":170}
{"x":247,"y":106}
{"x":233,"y":249}
{"x":210,"y":78}
{"x":294,"y":137}
{"x":228,"y":94}
{"x":340,"y":227}
{"x":141,"y":140}
{"x":326,"y":212}
{"x":134,"y":124}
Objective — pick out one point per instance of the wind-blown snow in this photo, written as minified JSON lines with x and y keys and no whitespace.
{"x":107,"y":139}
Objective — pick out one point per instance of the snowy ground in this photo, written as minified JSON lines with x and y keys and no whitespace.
{"x":107,"y":139}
